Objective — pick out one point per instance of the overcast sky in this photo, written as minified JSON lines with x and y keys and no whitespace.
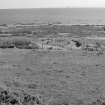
{"x":50,"y":3}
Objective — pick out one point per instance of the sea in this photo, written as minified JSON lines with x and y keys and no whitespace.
{"x":78,"y":16}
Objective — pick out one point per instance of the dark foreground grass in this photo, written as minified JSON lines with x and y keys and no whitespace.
{"x":15,"y":98}
{"x":22,"y":98}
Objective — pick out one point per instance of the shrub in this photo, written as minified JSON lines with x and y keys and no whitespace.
{"x":6,"y":44}
{"x":15,"y":98}
{"x":18,"y":43}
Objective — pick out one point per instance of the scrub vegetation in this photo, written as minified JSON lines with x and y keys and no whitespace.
{"x":52,"y":64}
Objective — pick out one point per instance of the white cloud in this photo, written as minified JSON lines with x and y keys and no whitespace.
{"x":88,"y":3}
{"x":50,"y":3}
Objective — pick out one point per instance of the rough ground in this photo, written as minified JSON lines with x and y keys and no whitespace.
{"x":29,"y":76}
{"x":64,"y":76}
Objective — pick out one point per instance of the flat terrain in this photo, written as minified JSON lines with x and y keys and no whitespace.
{"x":71,"y":77}
{"x":69,"y":74}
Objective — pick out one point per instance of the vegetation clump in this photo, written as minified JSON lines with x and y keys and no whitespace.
{"x":14,"y":98}
{"x":18,"y":43}
{"x":96,"y":49}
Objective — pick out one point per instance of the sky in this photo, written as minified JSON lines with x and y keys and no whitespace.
{"x":5,"y":4}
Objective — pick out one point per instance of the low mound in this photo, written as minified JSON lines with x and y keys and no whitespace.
{"x":18,"y":43}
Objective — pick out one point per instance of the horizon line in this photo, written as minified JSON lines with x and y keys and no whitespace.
{"x":55,"y":8}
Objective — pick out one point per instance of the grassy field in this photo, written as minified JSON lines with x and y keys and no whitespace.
{"x":54,"y":74}
{"x":71,"y":77}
